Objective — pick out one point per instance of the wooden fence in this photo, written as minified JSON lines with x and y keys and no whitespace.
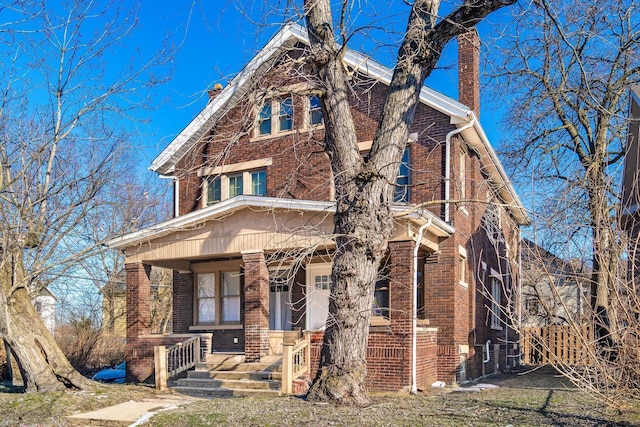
{"x":558,"y":344}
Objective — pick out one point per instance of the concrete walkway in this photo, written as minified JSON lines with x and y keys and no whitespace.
{"x":130,"y":413}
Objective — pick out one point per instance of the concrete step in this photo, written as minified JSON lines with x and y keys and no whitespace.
{"x":246,"y":383}
{"x":236,"y":375}
{"x":223,"y":392}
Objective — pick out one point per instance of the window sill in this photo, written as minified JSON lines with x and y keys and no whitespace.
{"x":215,"y":327}
{"x":496,"y":328}
{"x":379,"y":321}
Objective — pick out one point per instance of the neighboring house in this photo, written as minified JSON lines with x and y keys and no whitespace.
{"x":45,"y":304}
{"x":114,"y":304}
{"x":251,"y":246}
{"x":554,"y":291}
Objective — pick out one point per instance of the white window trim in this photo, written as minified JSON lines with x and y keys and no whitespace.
{"x":244,"y":168}
{"x":462,"y":253}
{"x":275,"y":116}
{"x":218,"y":301}
{"x":494,"y":309}
{"x":307,"y":115}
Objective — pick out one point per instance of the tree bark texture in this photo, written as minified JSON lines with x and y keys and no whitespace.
{"x":364,"y":188}
{"x":42,"y":364}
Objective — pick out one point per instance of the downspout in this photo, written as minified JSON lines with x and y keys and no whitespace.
{"x":414,"y":307}
{"x":447,"y":167}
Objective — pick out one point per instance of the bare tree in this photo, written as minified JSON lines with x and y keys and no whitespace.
{"x":567,"y":68}
{"x":61,"y":143}
{"x":364,"y":187}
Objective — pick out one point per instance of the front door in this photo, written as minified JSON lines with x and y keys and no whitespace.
{"x":279,"y":301}
{"x":318,"y":290}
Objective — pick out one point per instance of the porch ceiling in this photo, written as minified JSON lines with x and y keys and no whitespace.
{"x":247,"y":223}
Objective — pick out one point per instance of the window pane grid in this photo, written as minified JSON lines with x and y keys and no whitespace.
{"x":315,"y":111}
{"x":259,"y":183}
{"x":286,"y":115}
{"x":264,"y":120}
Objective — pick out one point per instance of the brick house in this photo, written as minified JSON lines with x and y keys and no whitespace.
{"x":250,"y":244}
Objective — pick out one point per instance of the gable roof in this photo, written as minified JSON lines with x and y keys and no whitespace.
{"x":292,"y":33}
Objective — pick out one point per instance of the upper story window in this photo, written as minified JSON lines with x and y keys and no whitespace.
{"x":495,"y":303}
{"x":285,"y":116}
{"x":259,"y":182}
{"x":401,"y":193}
{"x":315,"y":111}
{"x":276,"y":115}
{"x":214,"y":189}
{"x":235,"y":185}
{"x":223,"y":186}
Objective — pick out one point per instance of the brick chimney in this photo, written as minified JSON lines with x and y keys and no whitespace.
{"x":469,"y":70}
{"x":217,"y":88}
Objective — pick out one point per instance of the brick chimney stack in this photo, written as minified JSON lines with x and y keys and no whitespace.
{"x":469,"y":70}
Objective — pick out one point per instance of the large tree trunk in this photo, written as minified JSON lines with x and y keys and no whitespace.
{"x":42,"y":364}
{"x":364,"y":189}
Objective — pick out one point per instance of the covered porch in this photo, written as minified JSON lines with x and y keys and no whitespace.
{"x":248,"y":270}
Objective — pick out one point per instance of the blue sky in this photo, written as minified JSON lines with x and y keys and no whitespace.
{"x":217,"y":40}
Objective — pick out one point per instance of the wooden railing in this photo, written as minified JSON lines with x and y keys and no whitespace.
{"x":296,"y":361}
{"x":558,"y":344}
{"x":171,"y":361}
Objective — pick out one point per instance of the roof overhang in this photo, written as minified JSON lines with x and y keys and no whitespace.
{"x":219,"y":211}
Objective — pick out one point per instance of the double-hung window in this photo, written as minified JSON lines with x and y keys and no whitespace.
{"x":315,"y":111}
{"x":259,"y":182}
{"x":275,"y":115}
{"x":235,"y":185}
{"x":218,"y":297}
{"x":214,"y":190}
{"x":285,"y":117}
{"x":207,"y":298}
{"x":401,"y":193}
{"x":496,"y":292}
{"x":264,"y":119}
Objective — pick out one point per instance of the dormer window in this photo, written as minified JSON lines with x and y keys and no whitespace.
{"x":276,"y":115}
{"x":315,"y":111}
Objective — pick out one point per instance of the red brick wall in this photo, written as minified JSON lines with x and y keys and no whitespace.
{"x":389,"y":361}
{"x":256,"y":306}
{"x":182,"y":302}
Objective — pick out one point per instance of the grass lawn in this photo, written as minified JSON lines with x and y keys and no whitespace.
{"x":536,"y":399}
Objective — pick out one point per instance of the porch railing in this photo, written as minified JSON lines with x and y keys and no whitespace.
{"x":296,"y":361}
{"x":171,"y":361}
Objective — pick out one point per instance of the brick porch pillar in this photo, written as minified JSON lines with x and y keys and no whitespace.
{"x":182,"y":301}
{"x":256,"y":306}
{"x":401,"y":286}
{"x":400,"y":298}
{"x":138,"y":320}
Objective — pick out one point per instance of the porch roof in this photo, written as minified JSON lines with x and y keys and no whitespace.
{"x":266,"y":229}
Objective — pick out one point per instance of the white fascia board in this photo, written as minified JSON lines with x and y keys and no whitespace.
{"x":236,"y":203}
{"x":211,"y":212}
{"x":162,"y":163}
